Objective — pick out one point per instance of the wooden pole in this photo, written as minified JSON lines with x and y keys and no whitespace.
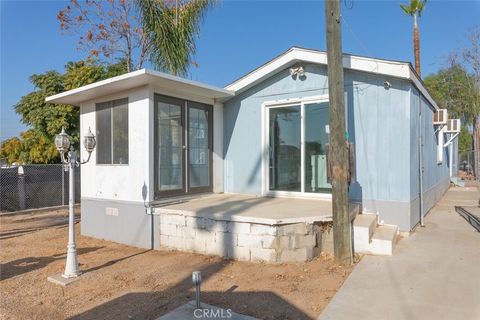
{"x":338,"y":148}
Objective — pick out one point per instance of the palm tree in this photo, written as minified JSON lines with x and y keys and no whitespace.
{"x":171,"y":28}
{"x":415,"y":8}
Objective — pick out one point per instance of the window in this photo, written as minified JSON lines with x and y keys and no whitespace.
{"x":297,"y":138}
{"x":112,"y":132}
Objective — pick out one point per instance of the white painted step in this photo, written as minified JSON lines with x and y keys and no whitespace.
{"x":383,"y":241}
{"x":364,"y":226}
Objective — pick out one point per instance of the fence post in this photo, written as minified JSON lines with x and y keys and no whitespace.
{"x":21,"y":188}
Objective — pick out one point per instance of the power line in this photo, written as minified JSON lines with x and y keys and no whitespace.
{"x":357,"y":39}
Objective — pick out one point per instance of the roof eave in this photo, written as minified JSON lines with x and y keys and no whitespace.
{"x":132,"y":80}
{"x":398,"y":69}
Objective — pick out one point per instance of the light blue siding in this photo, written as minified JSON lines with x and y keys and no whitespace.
{"x":242,"y":125}
{"x":436,"y":175}
{"x":383,"y":123}
{"x":379,"y":126}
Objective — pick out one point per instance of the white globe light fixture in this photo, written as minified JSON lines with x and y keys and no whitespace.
{"x":62,"y":142}
{"x":89,"y":141}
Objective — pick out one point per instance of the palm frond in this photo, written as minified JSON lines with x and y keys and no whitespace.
{"x":421,"y":6}
{"x":172,"y":31}
{"x":414,"y":7}
{"x":406,"y":9}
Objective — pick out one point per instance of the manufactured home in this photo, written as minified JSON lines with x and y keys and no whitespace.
{"x":241,"y":171}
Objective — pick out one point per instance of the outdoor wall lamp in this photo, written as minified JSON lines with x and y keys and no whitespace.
{"x":297,"y":72}
{"x":62,"y":142}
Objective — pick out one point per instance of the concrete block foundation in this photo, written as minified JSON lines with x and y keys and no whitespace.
{"x":247,"y":241}
{"x":248,"y":238}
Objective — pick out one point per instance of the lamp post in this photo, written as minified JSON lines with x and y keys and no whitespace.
{"x":62,"y":142}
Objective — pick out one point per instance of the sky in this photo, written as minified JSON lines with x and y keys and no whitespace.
{"x":235,"y":38}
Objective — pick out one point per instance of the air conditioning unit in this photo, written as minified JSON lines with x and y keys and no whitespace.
{"x":453,"y":126}
{"x":440,"y":117}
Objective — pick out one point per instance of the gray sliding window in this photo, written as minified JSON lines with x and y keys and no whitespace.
{"x":112,"y":132}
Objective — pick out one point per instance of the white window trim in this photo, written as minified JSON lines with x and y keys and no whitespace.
{"x":265,"y":147}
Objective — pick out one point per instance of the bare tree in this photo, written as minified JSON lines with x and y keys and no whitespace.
{"x":106,"y":28}
{"x":469,"y":58}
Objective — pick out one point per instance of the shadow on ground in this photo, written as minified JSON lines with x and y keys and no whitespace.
{"x":21,"y":266}
{"x":36,"y":223}
{"x":112,"y":262}
{"x":151,"y":305}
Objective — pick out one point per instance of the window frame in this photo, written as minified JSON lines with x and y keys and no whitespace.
{"x":111,"y":107}
{"x":265,"y":143}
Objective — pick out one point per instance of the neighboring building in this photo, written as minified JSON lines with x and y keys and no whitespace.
{"x":161,"y":136}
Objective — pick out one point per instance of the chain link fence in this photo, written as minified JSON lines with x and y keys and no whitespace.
{"x":35,"y":186}
{"x":466,"y":165}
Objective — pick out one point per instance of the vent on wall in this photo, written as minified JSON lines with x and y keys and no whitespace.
{"x":440,"y":117}
{"x":453,"y":126}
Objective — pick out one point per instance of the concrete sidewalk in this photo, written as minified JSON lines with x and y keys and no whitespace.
{"x":433,"y":274}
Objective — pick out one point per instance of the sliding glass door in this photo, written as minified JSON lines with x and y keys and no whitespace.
{"x":183,"y":143}
{"x":285,"y":149}
{"x":297,"y":140}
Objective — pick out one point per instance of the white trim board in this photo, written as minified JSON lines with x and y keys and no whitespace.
{"x":136,"y":79}
{"x":396,"y":69}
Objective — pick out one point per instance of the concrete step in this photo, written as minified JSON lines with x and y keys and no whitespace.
{"x":363,"y":228}
{"x":383,"y":241}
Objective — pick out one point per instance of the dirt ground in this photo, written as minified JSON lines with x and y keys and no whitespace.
{"x":122,"y":282}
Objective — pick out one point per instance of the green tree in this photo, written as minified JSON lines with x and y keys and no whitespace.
{"x":464,"y":140}
{"x":453,"y":89}
{"x":415,"y":8}
{"x":171,"y":28}
{"x":46,"y":120}
{"x":11,"y":149}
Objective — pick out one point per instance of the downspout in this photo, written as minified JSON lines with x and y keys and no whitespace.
{"x":149,"y":211}
{"x":420,"y":171}
{"x":420,"y":161}
{"x":450,"y":160}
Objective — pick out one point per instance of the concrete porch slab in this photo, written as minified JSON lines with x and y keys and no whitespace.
{"x":187,"y":311}
{"x":262,"y":210}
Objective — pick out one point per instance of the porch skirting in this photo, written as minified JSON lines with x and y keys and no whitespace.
{"x":239,"y":237}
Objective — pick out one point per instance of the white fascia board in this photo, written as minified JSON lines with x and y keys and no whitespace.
{"x":58,"y":98}
{"x":391,"y":68}
{"x":136,"y":79}
{"x":376,"y":66}
{"x":259,"y":74}
{"x":216,"y":92}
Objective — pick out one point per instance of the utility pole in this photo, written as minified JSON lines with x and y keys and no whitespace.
{"x":338,"y":148}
